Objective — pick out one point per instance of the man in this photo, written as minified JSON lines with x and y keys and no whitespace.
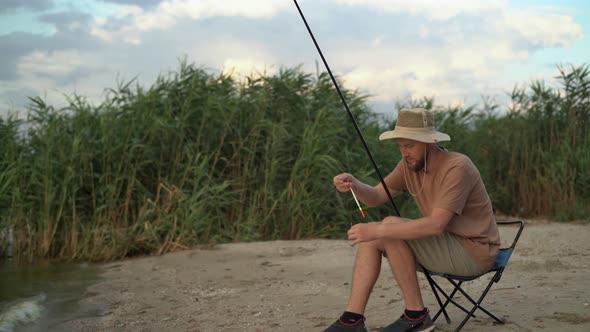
{"x":457,"y":233}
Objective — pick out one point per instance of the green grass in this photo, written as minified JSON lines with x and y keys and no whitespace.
{"x":199,"y":158}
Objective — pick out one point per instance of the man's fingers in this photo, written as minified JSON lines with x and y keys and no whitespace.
{"x":352,"y":235}
{"x":341,"y":185}
{"x":342,"y":179}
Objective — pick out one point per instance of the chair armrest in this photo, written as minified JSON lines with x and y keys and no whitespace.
{"x":520,"y":228}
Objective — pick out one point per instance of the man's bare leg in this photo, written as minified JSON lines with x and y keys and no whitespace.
{"x":403,"y":265}
{"x":366,"y":270}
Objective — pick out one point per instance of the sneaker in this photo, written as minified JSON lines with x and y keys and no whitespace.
{"x":340,"y":326}
{"x":406,"y":324}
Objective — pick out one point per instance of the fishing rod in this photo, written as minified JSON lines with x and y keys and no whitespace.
{"x":358,"y":130}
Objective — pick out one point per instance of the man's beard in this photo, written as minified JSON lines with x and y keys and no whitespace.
{"x":418,"y":165}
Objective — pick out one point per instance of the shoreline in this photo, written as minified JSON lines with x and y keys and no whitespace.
{"x":303,"y":285}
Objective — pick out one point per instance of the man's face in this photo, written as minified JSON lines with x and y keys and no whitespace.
{"x":412,"y":152}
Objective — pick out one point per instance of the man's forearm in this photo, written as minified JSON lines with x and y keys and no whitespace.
{"x":367,"y":194}
{"x":411,"y":229}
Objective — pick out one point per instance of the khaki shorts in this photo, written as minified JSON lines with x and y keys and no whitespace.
{"x":444,"y":253}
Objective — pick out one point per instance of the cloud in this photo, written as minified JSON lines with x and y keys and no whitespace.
{"x":138,"y":3}
{"x":431,"y":9}
{"x":78,"y":58}
{"x":8,"y":6}
{"x":389,"y":49}
{"x":417,"y":53}
{"x":72,"y":32}
{"x":168,"y":13}
{"x":15,"y":45}
{"x":134,"y":21}
{"x":540,"y":29}
{"x":70,"y":21}
{"x":53,"y":74}
{"x":14,"y":97}
{"x":241,"y":57}
{"x":50,"y":64}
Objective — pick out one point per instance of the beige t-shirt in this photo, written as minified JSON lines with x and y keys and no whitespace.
{"x":452,"y":182}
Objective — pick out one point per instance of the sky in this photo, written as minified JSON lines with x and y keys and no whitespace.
{"x":456,"y":51}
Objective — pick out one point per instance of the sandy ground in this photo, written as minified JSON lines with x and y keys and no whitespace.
{"x":304,"y":286}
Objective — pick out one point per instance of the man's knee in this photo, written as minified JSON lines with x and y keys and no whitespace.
{"x":374,"y":245}
{"x":395,"y":247}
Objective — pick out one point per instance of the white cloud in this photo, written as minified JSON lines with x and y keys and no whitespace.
{"x":544,"y":29}
{"x":432,"y":9}
{"x":97,"y":30}
{"x":169,"y":12}
{"x":42,"y":71}
{"x":99,"y":24}
{"x":237,"y":56}
{"x":408,"y":48}
{"x":50,"y":64}
{"x":132,"y":40}
{"x":246,"y":65}
{"x":417,"y":76}
{"x":465,"y":59}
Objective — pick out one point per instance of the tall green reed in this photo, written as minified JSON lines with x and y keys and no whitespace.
{"x":199,"y":158}
{"x":195,"y":159}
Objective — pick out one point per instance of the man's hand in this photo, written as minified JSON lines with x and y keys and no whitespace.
{"x":364,"y":232}
{"x":343,"y":182}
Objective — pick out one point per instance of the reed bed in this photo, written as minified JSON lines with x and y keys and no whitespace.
{"x":201,"y":158}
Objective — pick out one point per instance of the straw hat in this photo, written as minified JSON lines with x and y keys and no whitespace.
{"x":416,"y":124}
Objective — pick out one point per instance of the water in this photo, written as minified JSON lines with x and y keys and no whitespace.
{"x":42,"y":296}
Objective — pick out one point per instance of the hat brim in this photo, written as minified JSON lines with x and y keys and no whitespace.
{"x":429,"y":137}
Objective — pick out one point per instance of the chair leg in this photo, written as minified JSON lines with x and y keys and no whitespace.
{"x":476,"y":305}
{"x":440,"y":305}
{"x":450,"y":298}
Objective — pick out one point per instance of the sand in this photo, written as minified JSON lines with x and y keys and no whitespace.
{"x":304,"y":286}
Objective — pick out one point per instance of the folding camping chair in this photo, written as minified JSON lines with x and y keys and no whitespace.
{"x":499,"y":266}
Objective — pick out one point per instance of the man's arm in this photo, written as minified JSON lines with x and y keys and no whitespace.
{"x":370,"y":196}
{"x":402,"y":229}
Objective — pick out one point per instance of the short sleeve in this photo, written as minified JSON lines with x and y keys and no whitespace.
{"x":455,"y":188}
